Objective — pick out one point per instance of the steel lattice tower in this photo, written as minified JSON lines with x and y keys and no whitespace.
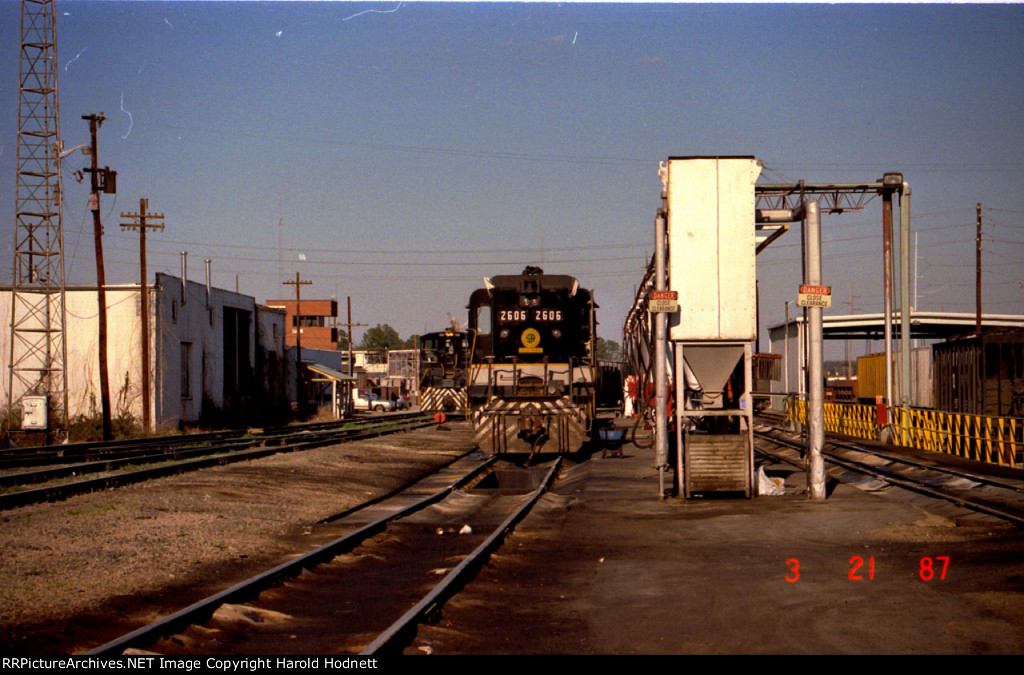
{"x":37,"y":346}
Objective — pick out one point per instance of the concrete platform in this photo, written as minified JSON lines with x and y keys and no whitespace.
{"x":606,"y":567}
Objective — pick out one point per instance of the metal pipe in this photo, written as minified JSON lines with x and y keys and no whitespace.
{"x":905,"y":294}
{"x":816,"y":404}
{"x":887,"y":300}
{"x":207,"y":283}
{"x":785,"y":358}
{"x":680,"y":401}
{"x":184,"y":276}
{"x":660,"y":339}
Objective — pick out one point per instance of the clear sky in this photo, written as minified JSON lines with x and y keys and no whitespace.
{"x":400,"y":152}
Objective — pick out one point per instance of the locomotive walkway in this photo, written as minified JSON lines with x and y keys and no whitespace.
{"x":624,"y":572}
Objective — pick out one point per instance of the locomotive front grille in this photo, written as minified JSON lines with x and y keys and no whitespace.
{"x":516,"y":426}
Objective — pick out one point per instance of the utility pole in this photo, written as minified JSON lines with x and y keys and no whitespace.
{"x":141,"y":224}
{"x":103,"y":180}
{"x":977,"y":283}
{"x":351,"y":363}
{"x":298,"y":283}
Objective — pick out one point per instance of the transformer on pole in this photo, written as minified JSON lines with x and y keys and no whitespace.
{"x":37,"y":379}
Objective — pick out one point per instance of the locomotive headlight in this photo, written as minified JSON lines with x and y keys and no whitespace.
{"x":503,"y":333}
{"x":535,"y":302}
{"x":556,"y":333}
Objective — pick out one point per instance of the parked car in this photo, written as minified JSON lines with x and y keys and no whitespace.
{"x":367,"y":400}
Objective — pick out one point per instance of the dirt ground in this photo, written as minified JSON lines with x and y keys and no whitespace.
{"x":78,"y":573}
{"x":602,"y":566}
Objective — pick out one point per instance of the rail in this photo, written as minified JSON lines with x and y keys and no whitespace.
{"x":168,"y":462}
{"x":982,"y":438}
{"x":201,"y":611}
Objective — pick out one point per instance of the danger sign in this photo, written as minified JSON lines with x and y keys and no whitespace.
{"x":814,"y":296}
{"x":663,"y":301}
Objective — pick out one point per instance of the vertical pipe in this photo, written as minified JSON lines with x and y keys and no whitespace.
{"x":680,"y":374}
{"x":905,"y":296}
{"x":660,"y":338}
{"x":785,"y":358}
{"x":887,"y":312}
{"x":801,"y":345}
{"x":184,"y":276}
{"x":816,"y":404}
{"x":914,"y":306}
{"x":208,"y":283}
{"x":977,"y":283}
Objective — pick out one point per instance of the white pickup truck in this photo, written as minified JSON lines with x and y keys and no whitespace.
{"x":367,"y":400}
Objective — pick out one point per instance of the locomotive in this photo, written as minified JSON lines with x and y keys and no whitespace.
{"x":532,"y":363}
{"x":444,"y":361}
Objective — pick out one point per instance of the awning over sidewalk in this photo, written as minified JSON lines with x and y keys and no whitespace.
{"x":327,"y":374}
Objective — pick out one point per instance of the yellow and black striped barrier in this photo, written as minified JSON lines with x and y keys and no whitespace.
{"x":996,"y":440}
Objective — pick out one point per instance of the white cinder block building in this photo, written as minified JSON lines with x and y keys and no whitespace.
{"x":216,"y":356}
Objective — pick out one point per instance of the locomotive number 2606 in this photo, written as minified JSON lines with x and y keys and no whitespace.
{"x":522,"y":315}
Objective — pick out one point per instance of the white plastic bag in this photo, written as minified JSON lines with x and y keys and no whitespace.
{"x":769,"y":487}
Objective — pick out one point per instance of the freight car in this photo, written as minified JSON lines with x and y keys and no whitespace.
{"x":444,"y":367}
{"x":532,"y":363}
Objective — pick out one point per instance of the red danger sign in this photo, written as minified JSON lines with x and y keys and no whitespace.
{"x":664,"y":295}
{"x":816,"y":290}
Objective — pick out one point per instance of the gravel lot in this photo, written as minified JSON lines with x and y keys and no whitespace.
{"x":77,"y":573}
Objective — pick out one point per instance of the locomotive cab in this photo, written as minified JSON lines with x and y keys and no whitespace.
{"x":444,"y":363}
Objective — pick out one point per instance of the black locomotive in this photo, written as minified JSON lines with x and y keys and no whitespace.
{"x":532,"y":369}
{"x":444,"y":367}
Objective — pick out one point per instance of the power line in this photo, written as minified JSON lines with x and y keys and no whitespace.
{"x":417,"y":149}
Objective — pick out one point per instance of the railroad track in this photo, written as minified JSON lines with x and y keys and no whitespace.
{"x":366,"y":590}
{"x":999,"y":497}
{"x":126,"y":462}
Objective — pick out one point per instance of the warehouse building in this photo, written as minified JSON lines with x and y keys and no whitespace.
{"x":217,"y":357}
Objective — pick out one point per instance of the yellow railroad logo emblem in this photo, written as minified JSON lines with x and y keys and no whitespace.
{"x":530,"y":338}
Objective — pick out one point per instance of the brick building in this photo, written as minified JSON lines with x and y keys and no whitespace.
{"x":316,"y":324}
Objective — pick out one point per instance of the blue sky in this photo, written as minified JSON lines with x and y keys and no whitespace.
{"x":399,"y":152}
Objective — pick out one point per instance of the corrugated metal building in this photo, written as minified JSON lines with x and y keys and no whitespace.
{"x":981,"y":374}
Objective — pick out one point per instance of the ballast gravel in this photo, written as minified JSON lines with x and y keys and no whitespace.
{"x":77,"y":573}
